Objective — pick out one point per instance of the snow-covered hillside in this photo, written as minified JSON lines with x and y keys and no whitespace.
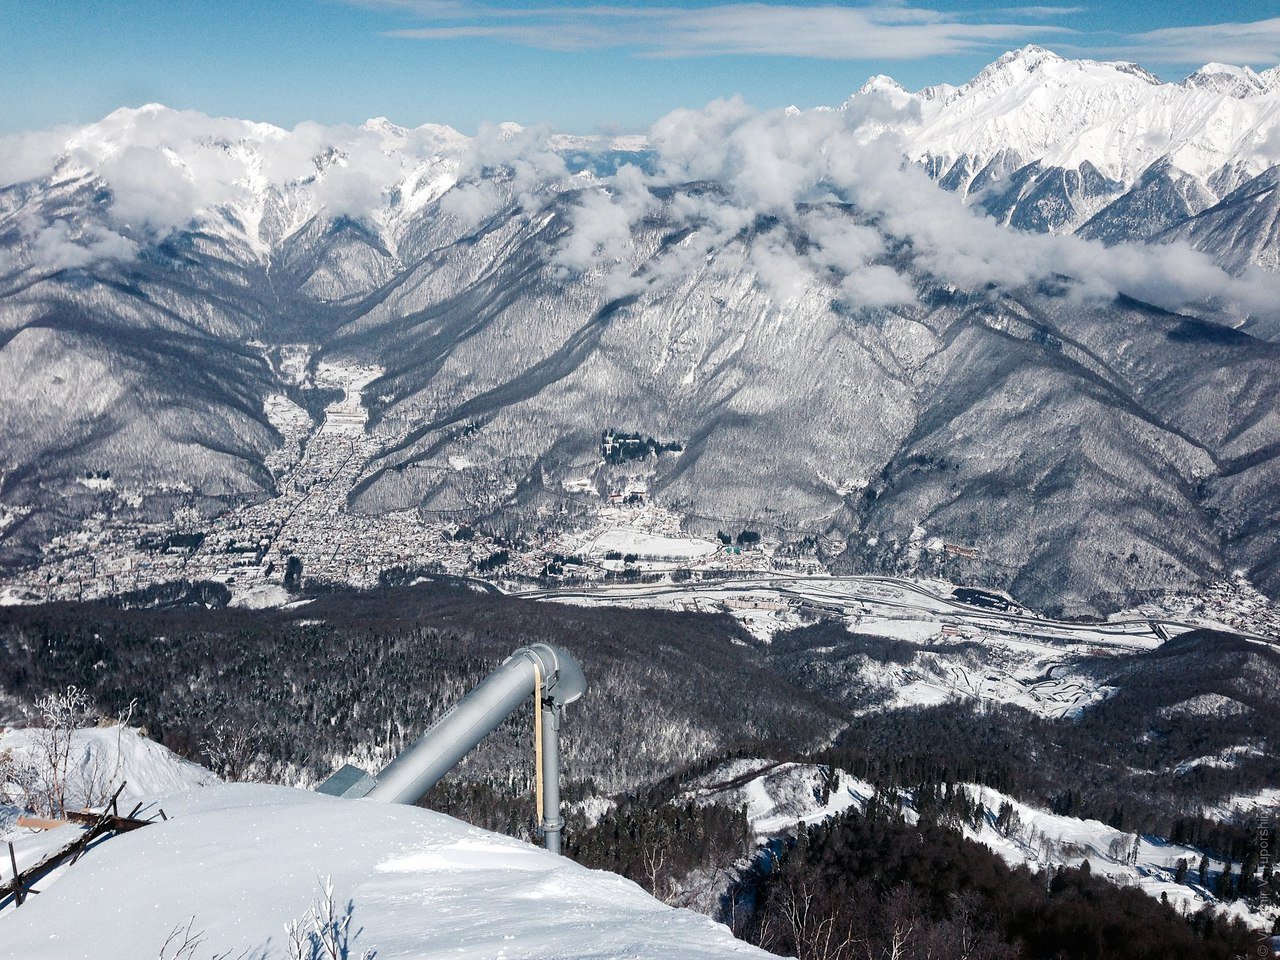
{"x":99,"y":759}
{"x":240,"y":861}
{"x":779,"y":796}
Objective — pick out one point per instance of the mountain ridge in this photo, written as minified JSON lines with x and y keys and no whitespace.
{"x":777,"y":293}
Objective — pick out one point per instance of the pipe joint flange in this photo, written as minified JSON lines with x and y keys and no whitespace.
{"x":562,"y":676}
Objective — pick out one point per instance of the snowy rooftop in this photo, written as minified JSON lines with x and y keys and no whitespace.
{"x":243,"y":860}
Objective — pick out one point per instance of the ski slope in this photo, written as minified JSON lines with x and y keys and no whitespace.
{"x":239,"y":861}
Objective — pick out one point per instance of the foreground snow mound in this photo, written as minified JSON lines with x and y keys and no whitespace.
{"x":245,"y":859}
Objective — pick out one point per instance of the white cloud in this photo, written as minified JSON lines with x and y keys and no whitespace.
{"x":26,"y":156}
{"x":602,"y":222}
{"x":879,"y":30}
{"x":826,"y":198}
{"x":1042,"y":11}
{"x":1256,"y":43}
{"x":62,"y":244}
{"x":528,"y":164}
{"x":1267,"y":147}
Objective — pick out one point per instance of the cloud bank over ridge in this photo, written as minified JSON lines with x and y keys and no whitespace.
{"x":837,"y":203}
{"x":827,"y":193}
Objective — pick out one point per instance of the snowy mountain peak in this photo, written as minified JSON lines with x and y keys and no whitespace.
{"x":881,"y":84}
{"x":383,"y":126}
{"x":1032,"y":105}
{"x":1015,"y":65}
{"x":1038,"y":64}
{"x":1227,"y":79}
{"x":941,"y":92}
{"x":1032,"y":55}
{"x":146,"y":110}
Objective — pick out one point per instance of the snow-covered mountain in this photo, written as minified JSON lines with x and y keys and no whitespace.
{"x":837,"y":346}
{"x":1047,"y":143}
{"x":1232,"y":80}
{"x":1033,"y":105}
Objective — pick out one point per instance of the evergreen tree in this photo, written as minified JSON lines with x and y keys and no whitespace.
{"x":1225,"y":889}
{"x":1248,"y":885}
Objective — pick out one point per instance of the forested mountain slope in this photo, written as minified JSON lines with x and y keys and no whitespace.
{"x":818,"y":339}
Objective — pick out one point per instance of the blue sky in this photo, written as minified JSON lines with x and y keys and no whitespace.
{"x":609,"y":65}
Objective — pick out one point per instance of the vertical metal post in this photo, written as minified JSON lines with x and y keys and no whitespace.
{"x":552,"y":822}
{"x":17,"y":877}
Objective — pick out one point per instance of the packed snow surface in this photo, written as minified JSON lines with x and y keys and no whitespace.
{"x":245,"y":859}
{"x":649,"y":546}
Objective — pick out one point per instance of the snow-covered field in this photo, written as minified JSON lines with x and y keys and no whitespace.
{"x":967,"y":653}
{"x":649,"y":546}
{"x":239,"y":861}
{"x":1042,"y":839}
{"x":1264,"y":803}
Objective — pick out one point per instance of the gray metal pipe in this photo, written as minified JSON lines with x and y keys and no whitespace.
{"x":425,"y":763}
{"x":552,"y":823}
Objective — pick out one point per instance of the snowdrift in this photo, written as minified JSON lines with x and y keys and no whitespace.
{"x":239,"y":861}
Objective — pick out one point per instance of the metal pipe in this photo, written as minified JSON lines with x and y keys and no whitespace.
{"x":552,"y":823}
{"x":424,"y":763}
{"x":420,"y":767}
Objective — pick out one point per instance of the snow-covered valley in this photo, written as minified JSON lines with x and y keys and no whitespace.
{"x":519,"y":298}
